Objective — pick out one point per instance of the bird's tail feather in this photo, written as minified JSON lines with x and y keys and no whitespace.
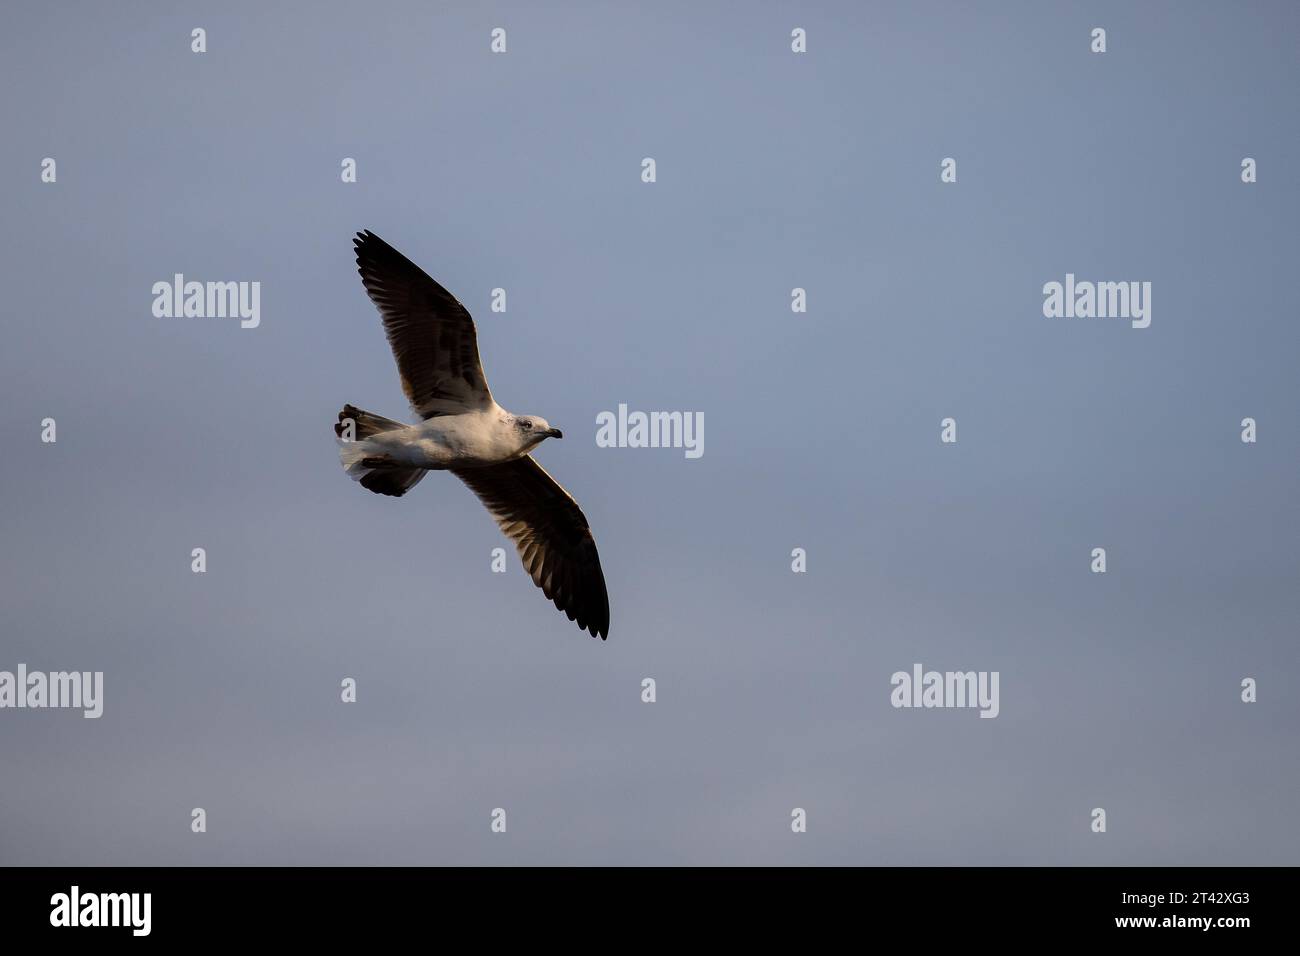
{"x":368,"y":464}
{"x":363,"y":424}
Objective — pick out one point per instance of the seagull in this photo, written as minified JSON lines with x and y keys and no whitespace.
{"x":463,"y":430}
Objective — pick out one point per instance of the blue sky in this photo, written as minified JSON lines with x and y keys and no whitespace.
{"x":775,"y":170}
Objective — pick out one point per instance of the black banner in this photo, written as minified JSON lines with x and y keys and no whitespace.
{"x":1168,"y":905}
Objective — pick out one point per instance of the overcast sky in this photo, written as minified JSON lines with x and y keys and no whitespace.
{"x":774,"y":170}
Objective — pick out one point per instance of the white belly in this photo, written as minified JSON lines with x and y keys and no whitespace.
{"x":451,"y":441}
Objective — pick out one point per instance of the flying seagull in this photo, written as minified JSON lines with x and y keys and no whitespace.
{"x":463,"y":430}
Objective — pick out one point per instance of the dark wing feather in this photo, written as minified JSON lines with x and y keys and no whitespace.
{"x":551,"y":534}
{"x":432,"y":336}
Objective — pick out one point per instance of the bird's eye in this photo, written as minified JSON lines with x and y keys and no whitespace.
{"x":525,"y":424}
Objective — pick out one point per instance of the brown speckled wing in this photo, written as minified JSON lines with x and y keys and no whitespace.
{"x":431,"y":334}
{"x":551,"y":534}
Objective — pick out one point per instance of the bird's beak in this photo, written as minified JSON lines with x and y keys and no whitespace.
{"x":555,"y":433}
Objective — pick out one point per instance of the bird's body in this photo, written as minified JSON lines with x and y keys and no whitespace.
{"x":463,"y":430}
{"x":471,"y":440}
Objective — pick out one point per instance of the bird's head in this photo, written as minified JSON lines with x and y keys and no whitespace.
{"x":534,"y":430}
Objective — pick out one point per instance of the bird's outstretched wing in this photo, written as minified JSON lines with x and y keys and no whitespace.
{"x":431,"y":334}
{"x":551,"y":533}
